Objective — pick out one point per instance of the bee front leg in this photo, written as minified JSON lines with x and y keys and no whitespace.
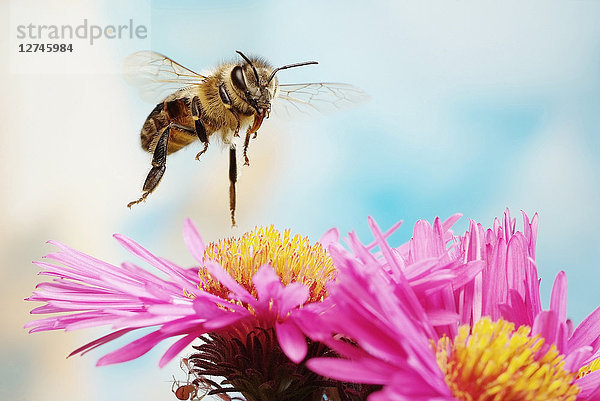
{"x":159,"y":165}
{"x":227,"y":103}
{"x":246,"y":143}
{"x":199,"y":126}
{"x":232,"y":181}
{"x":236,"y":133}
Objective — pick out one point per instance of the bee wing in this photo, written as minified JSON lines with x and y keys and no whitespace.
{"x":315,"y":98}
{"x":156,"y":76}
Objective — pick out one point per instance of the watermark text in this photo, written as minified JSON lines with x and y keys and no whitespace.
{"x":85,"y":30}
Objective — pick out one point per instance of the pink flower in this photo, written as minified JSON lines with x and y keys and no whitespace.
{"x":244,"y":291}
{"x":480,"y":334}
{"x":509,"y":279}
{"x":510,"y":290}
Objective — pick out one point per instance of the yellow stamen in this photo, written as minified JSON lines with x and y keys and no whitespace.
{"x":495,"y":362}
{"x":589,"y":368}
{"x":293,"y":259}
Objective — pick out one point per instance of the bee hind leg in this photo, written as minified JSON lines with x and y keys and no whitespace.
{"x":199,"y":126}
{"x":159,"y":165}
{"x":232,"y":181}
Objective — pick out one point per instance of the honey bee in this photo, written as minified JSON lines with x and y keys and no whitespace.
{"x":236,"y":95}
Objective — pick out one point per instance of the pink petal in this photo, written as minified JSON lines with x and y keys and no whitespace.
{"x":291,"y":340}
{"x":389,"y":232}
{"x":225,"y":320}
{"x":221,"y":275}
{"x":589,"y":385}
{"x":193,"y":240}
{"x":558,"y":299}
{"x":546,"y":325}
{"x":267,"y":283}
{"x":133,"y":350}
{"x":530,"y":231}
{"x":587,"y":332}
{"x":576,"y":359}
{"x":209,"y":306}
{"x":99,"y":341}
{"x":176,"y":348}
{"x":467,"y":272}
{"x":330,"y":237}
{"x":292,"y":296}
{"x":449,"y":222}
{"x":442,"y":317}
{"x":176,"y":275}
{"x":346,"y":370}
{"x":518,"y":311}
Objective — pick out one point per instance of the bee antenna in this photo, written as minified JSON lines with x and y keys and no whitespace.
{"x":251,"y":65}
{"x":285,"y":67}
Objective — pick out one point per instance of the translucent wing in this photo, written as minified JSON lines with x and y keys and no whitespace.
{"x":156,"y":76}
{"x":314,"y":98}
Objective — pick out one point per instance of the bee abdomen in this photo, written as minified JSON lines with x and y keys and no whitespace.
{"x":178,"y":114}
{"x":154,"y":124}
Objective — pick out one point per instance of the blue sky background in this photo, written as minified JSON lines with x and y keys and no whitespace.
{"x":474,"y":107}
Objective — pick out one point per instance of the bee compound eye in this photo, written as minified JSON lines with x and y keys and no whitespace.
{"x":237,"y":77}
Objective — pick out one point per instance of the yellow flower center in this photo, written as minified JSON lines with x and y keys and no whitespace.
{"x":495,"y":362}
{"x":292,"y":258}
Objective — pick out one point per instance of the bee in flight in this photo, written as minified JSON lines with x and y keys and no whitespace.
{"x":236,"y":96}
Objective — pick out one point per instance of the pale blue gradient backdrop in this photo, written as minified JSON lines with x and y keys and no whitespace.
{"x":475,"y":107}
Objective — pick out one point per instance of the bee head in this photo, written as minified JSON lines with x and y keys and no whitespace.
{"x":253,"y":85}
{"x":258,"y":84}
